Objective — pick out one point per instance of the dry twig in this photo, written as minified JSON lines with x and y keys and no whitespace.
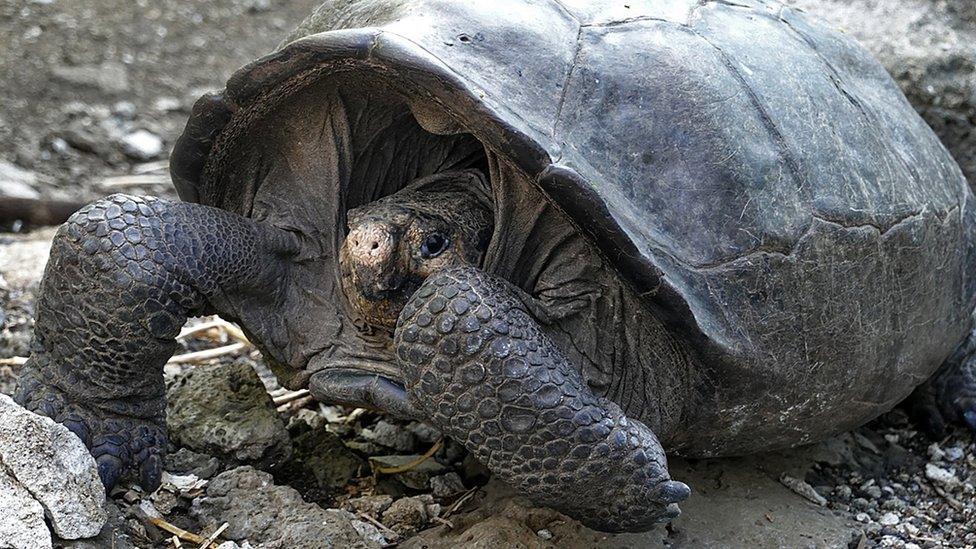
{"x":206,"y":354}
{"x":213,"y":536}
{"x":161,"y":523}
{"x":461,"y":501}
{"x":13,"y":361}
{"x":413,"y":464}
{"x":378,"y":524}
{"x":290,"y":396}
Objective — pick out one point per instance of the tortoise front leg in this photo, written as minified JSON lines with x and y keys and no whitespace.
{"x":480,"y":368}
{"x":124,"y":274}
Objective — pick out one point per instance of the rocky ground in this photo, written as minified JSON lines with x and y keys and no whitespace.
{"x":93,"y":95}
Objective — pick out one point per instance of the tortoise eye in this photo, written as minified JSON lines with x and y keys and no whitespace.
{"x":434,"y":244}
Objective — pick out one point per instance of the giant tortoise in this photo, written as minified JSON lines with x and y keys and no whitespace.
{"x":571,"y":234}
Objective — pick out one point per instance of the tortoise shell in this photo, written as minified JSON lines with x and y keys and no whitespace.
{"x":756,"y":177}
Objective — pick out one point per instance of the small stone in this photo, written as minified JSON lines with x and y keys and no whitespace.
{"x":257,"y":6}
{"x":306,"y":418}
{"x":861,"y":503}
{"x":889,"y":519}
{"x":109,"y":77}
{"x":445,"y":486}
{"x":370,"y":505}
{"x":424,"y":433}
{"x":408,"y":515}
{"x":873,"y":492}
{"x":862,"y":517}
{"x":544,"y":534}
{"x":187,"y":462}
{"x":935,"y":452}
{"x":124,"y":109}
{"x":16,"y":182}
{"x":936,"y":474}
{"x":167,"y":104}
{"x":55,"y":467}
{"x":803,"y":489}
{"x":843,"y":492}
{"x":391,"y":436}
{"x":142,"y":145}
{"x":955,"y":453}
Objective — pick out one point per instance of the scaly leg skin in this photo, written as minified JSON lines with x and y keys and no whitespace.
{"x":950,"y":395}
{"x":481,"y":369}
{"x":124,"y":274}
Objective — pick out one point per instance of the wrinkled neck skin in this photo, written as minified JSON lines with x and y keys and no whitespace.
{"x":394,"y":244}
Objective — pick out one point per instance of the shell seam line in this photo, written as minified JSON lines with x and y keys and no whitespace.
{"x":569,"y":75}
{"x":764,"y":116}
{"x":788,"y":253}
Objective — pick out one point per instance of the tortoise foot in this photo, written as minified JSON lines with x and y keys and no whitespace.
{"x":123,"y":444}
{"x":124,"y":274}
{"x":949,"y":397}
{"x":479,"y":368}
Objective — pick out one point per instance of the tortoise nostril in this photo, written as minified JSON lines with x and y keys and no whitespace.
{"x":375,"y":245}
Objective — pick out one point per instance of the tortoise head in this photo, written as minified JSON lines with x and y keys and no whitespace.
{"x":395,"y":243}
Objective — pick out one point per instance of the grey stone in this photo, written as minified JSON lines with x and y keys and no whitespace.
{"x":267,"y":515}
{"x":55,"y":467}
{"x":370,"y":505}
{"x":21,"y":517}
{"x":889,"y":519}
{"x":142,"y":145}
{"x":224,"y":410}
{"x":937,"y":474}
{"x":392,"y":436}
{"x":186,"y":461}
{"x":408,"y":515}
{"x":109,"y":77}
{"x":445,"y":486}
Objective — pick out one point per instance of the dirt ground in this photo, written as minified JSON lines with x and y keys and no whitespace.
{"x":82,"y":83}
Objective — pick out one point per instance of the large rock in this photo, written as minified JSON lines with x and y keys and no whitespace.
{"x":21,"y":517}
{"x":55,"y":467}
{"x":929,"y":46}
{"x":272,"y":516}
{"x":224,"y":410}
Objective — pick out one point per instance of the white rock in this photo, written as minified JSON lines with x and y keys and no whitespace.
{"x":889,"y":519}
{"x":16,"y":182}
{"x":142,"y":145}
{"x":937,"y":474}
{"x":55,"y":467}
{"x":21,"y":517}
{"x":955,"y":453}
{"x":802,"y":489}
